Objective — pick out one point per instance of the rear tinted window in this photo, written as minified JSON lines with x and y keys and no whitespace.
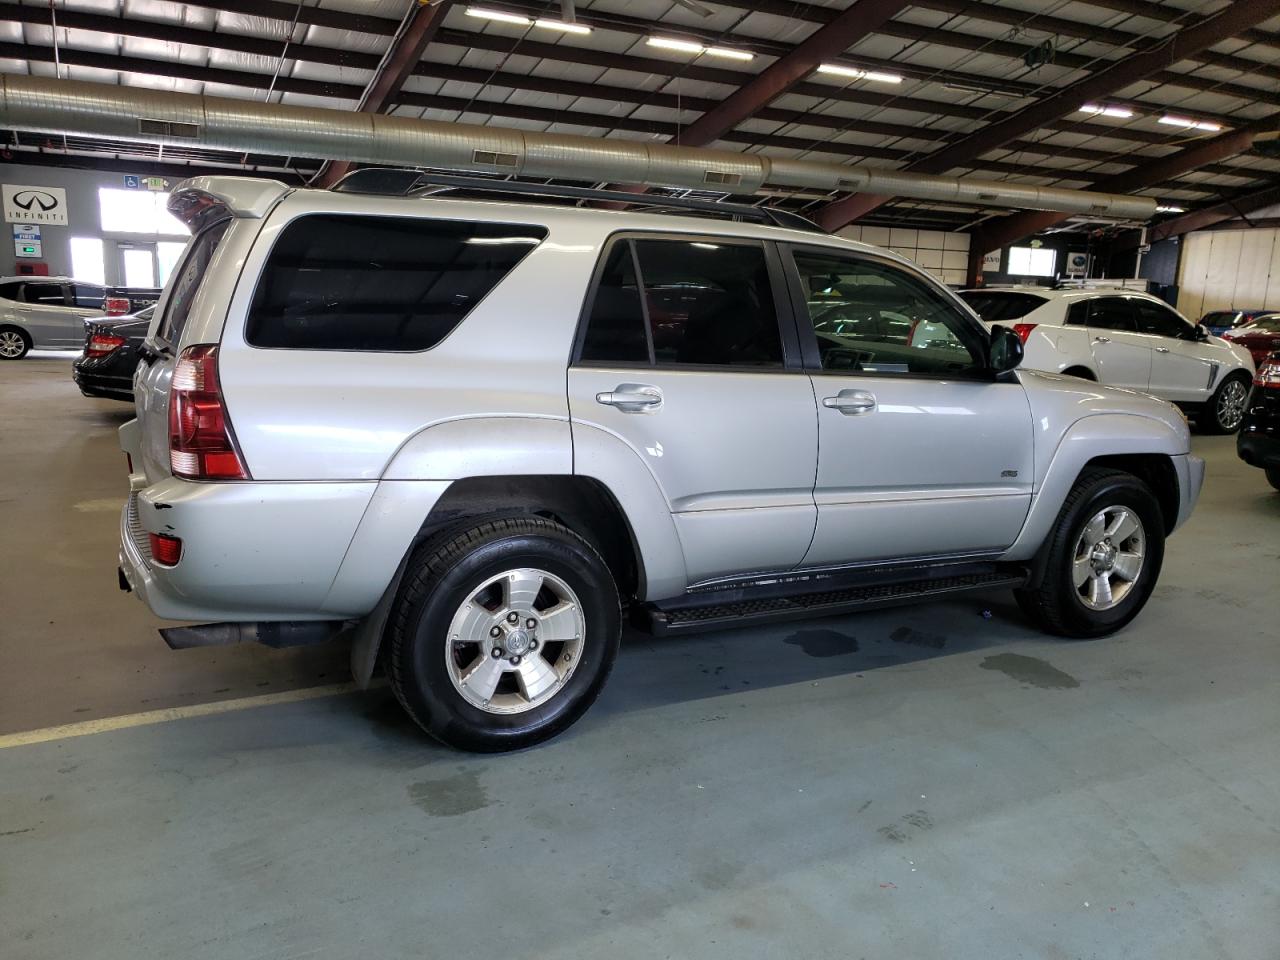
{"x":185,"y":282}
{"x":9,"y":291}
{"x":45,"y":294}
{"x":1000,"y":307}
{"x":337,"y":282}
{"x":1220,"y":318}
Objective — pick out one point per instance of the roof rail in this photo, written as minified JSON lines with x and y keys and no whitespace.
{"x":393,"y":181}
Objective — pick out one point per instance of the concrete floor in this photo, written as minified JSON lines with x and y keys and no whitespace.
{"x":920,"y":782}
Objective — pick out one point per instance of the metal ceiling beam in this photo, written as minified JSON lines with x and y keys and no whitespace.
{"x":420,"y":25}
{"x":508,"y":110}
{"x":1236,"y":207}
{"x":1012,"y":229}
{"x":1220,"y":26}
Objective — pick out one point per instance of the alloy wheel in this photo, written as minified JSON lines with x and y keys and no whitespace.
{"x":1108,"y":558}
{"x":12,"y":345}
{"x":515,"y":641}
{"x":1231,"y":405}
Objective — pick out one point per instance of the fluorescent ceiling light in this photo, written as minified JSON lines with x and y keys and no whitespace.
{"x":855,"y":74}
{"x":562,"y":26}
{"x":729,"y":53}
{"x":498,"y":15}
{"x":684,"y":46}
{"x":1191,"y":124}
{"x":1162,"y":208}
{"x":1124,"y":113}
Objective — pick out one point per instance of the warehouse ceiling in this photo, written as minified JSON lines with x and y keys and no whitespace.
{"x":1162,"y":98}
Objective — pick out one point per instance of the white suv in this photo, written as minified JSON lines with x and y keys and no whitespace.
{"x":1128,"y":339}
{"x":469,"y":434}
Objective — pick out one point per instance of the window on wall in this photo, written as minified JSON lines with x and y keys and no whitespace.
{"x":87,"y":261}
{"x":1032,"y":261}
{"x":138,"y":211}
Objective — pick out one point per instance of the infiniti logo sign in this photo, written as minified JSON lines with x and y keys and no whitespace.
{"x":36,"y":198}
{"x":24,"y":203}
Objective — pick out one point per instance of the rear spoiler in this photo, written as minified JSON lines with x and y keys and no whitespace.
{"x":203,"y":200}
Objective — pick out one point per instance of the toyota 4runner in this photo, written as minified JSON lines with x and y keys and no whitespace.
{"x":471,"y":433}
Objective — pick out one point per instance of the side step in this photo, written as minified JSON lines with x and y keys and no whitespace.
{"x":826,"y":597}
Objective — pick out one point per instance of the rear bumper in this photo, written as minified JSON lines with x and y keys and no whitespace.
{"x":100,"y":385}
{"x":1258,"y":449}
{"x":250,"y":551}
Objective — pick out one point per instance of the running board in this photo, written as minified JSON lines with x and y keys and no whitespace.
{"x":829,"y":596}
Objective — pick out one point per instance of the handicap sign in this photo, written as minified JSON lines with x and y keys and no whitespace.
{"x":132,"y":182}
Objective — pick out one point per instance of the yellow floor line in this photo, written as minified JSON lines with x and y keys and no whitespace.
{"x":106,"y":724}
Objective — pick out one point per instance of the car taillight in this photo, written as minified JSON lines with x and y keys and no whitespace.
{"x":202,"y":444}
{"x":1268,"y":374}
{"x":165,"y":550}
{"x":1023,"y":330}
{"x":115,"y":306}
{"x":101,"y":344}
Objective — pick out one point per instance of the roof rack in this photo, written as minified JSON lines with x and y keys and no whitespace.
{"x":393,"y":181}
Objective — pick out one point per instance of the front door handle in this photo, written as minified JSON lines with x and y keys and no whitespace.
{"x":1162,"y":349}
{"x":1101,"y":339}
{"x":632,"y":398}
{"x":851,"y":402}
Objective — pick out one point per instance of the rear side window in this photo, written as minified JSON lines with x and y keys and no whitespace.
{"x":703,"y":303}
{"x":1112,"y":313}
{"x":339,"y":282}
{"x":1000,"y":307}
{"x":185,"y":281}
{"x":9,"y":291}
{"x":44,"y":294}
{"x":87,"y":295}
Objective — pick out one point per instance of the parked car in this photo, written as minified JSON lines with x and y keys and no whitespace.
{"x":1261,"y":336}
{"x":1258,"y":442}
{"x":1127,"y":339}
{"x":111,"y":353}
{"x":1218,"y":322}
{"x":45,"y":313}
{"x":446,"y":428}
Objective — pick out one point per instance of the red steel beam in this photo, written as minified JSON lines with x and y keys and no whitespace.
{"x":1011,"y":229}
{"x":1218,"y":213}
{"x":419,"y":27}
{"x":1233,"y":19}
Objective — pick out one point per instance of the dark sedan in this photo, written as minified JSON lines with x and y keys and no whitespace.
{"x":1258,"y":442}
{"x":105,"y":369}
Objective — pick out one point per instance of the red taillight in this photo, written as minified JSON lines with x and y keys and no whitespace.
{"x":201,"y":442}
{"x":1268,"y":375}
{"x":1023,"y":330}
{"x":101,"y":344}
{"x":165,"y":550}
{"x":115,"y":306}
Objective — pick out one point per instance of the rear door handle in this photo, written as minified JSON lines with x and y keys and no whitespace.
{"x":1162,"y":349}
{"x":851,"y":402}
{"x":1101,"y":339}
{"x":632,"y":398}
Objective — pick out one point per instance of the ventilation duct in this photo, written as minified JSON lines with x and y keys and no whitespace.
{"x":128,"y":113}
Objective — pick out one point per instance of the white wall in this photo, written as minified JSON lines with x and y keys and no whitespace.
{"x":945,"y":255}
{"x":1229,"y":268}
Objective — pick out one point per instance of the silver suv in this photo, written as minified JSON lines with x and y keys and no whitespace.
{"x":471,"y":433}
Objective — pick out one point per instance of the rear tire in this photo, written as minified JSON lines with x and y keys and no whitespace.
{"x":15,"y":343}
{"x":1273,"y":477}
{"x":1103,"y":557}
{"x":1225,"y":410}
{"x":503,"y":633}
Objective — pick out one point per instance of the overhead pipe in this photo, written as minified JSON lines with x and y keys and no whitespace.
{"x":77,"y":108}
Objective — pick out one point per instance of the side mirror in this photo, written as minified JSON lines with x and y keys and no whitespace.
{"x":1201,"y":333}
{"x":1005,"y":351}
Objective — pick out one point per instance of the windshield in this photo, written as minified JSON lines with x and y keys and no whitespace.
{"x":1000,"y":306}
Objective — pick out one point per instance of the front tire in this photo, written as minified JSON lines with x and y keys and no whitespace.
{"x":14,"y":343}
{"x":1225,"y":410}
{"x":503,"y":634}
{"x":1103,"y":557}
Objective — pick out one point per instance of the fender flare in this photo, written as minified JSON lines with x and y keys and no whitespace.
{"x":1099,"y":435}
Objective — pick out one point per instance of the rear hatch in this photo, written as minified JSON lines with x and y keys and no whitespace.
{"x":224,"y":213}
